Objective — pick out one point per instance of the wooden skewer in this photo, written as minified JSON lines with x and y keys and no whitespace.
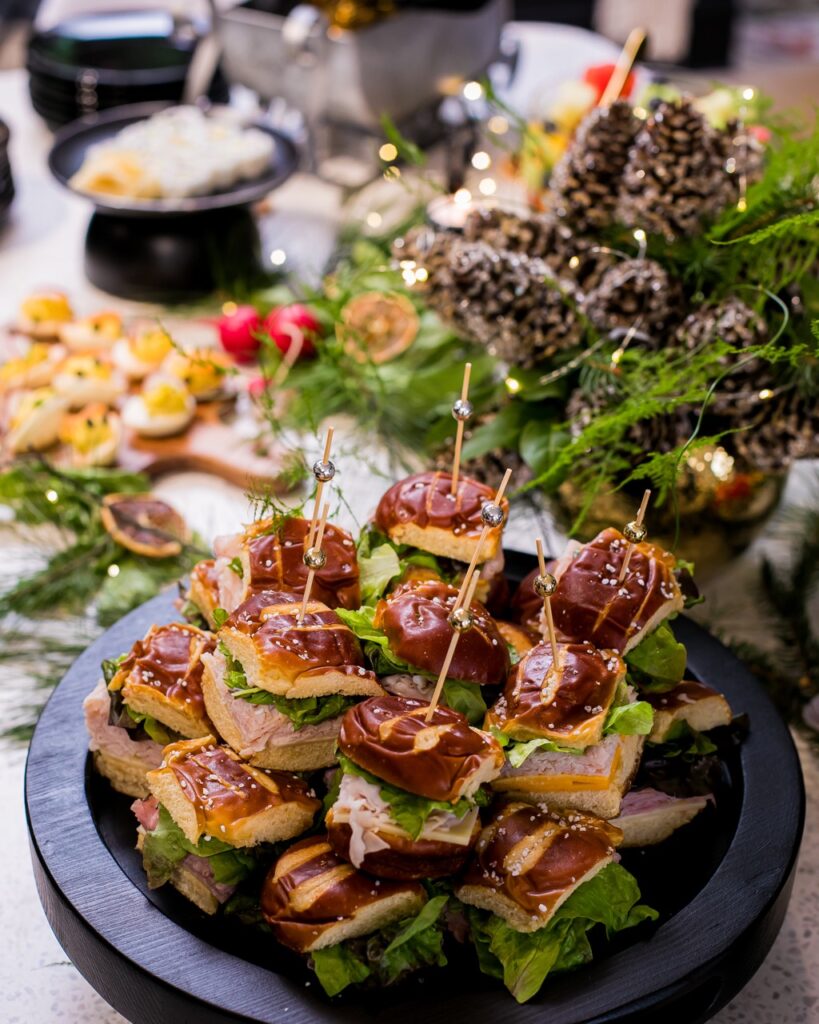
{"x":459,"y":436}
{"x":290,"y":356}
{"x":467,"y":593}
{"x":639,"y":522}
{"x":328,"y":443}
{"x":311,"y":575}
{"x":484,"y":533}
{"x":547,"y":603}
{"x":624,"y":64}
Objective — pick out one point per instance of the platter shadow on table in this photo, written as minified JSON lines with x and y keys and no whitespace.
{"x":721,"y":885}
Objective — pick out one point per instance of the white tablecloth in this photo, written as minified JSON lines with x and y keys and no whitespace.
{"x":41,"y":247}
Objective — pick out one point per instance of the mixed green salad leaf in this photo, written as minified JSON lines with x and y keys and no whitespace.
{"x":386,"y":956}
{"x":300,"y":710}
{"x":381,"y":560}
{"x":658,"y":661}
{"x":166,"y":846}
{"x":523,"y":960}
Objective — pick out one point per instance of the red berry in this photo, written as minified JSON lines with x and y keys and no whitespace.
{"x":598,"y":76}
{"x":238,"y":333}
{"x":290,"y":322}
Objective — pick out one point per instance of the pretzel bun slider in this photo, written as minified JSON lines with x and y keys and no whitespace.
{"x":422,"y":511}
{"x":210,"y":791}
{"x":407,"y":803}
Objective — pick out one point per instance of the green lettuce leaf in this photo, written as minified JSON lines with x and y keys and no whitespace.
{"x":158,"y":732}
{"x":419,"y":943}
{"x":300,"y":710}
{"x":166,"y":846}
{"x":235,"y":565}
{"x":628,"y":717}
{"x":387,"y":955}
{"x":191,"y":613}
{"x":658,"y":661}
{"x":525,"y":959}
{"x":220,"y":617}
{"x":466,"y":698}
{"x":337,"y":967}
{"x":376,"y":572}
{"x":110,"y":666}
{"x":407,"y":809}
{"x":374,"y":563}
{"x":683,"y":741}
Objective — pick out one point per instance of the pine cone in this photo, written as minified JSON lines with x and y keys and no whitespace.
{"x":675,"y":178}
{"x":783,"y":429}
{"x":507,"y":301}
{"x":570,"y":256}
{"x":533,"y":234}
{"x":733,"y":322}
{"x":586,"y":182}
{"x":634,"y":293}
{"x":659,"y":434}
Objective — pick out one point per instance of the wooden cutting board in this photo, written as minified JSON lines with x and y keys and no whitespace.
{"x":209,"y":445}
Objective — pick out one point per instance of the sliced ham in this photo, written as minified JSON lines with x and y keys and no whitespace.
{"x":113,"y":739}
{"x":645,"y":801}
{"x":595,"y":760}
{"x":200,"y":866}
{"x":360,"y":805}
{"x":147,"y":813}
{"x":262,"y":725}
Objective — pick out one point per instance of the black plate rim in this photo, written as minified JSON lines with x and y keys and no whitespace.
{"x":286,"y":159}
{"x":758,"y":866}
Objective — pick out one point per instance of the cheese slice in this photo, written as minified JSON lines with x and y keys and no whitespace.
{"x":560,"y":783}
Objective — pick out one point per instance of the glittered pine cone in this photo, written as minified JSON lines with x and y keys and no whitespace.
{"x":734,"y":322}
{"x":779,"y":431}
{"x":507,"y":301}
{"x":586,"y":182}
{"x":675,"y":179}
{"x":635,"y":293}
{"x":571,"y":256}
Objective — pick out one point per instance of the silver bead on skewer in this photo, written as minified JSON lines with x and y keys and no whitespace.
{"x":324,"y":471}
{"x":545,"y":585}
{"x":315,"y":558}
{"x":461,"y":620}
{"x":634,"y":532}
{"x":462,"y":409}
{"x":491,"y":514}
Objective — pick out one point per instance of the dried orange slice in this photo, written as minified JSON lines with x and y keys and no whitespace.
{"x":377,"y":326}
{"x":144,"y":524}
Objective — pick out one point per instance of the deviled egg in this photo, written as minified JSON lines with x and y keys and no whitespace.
{"x":91,"y":435}
{"x":163,"y":408}
{"x":142,"y":352}
{"x":32,"y":370}
{"x":35,"y":420}
{"x":201,"y":370}
{"x":95,"y":333}
{"x":43,"y":314}
{"x":86,"y":378}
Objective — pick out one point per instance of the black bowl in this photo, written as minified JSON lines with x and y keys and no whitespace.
{"x":722,"y":885}
{"x":72,"y":143}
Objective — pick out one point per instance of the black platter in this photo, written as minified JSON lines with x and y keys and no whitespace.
{"x":722,"y":886}
{"x":163,"y":250}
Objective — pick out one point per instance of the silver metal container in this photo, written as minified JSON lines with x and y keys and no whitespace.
{"x":396,"y":66}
